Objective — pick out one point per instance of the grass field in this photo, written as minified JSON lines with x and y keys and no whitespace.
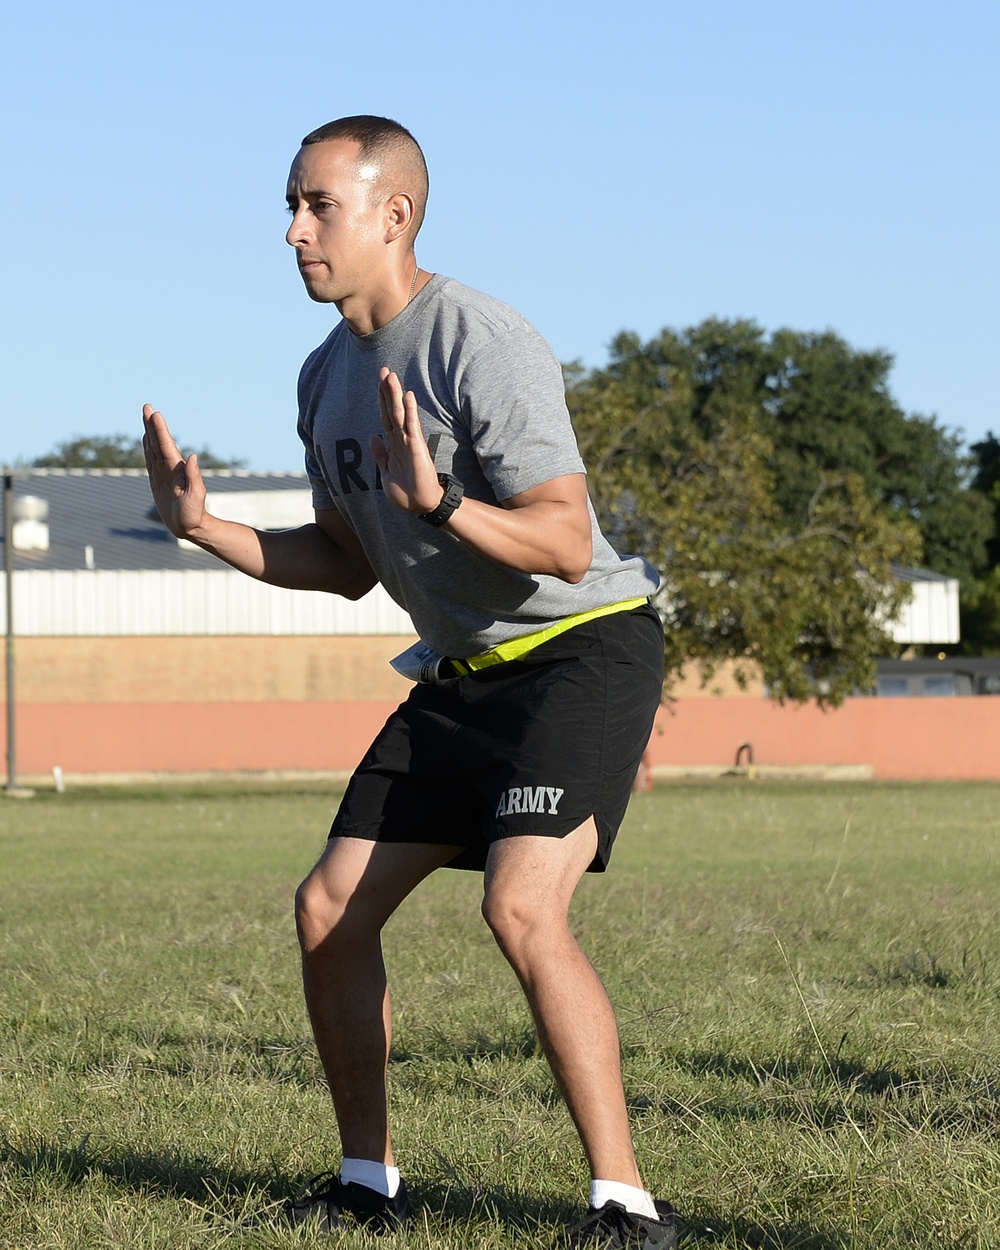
{"x":807,"y":981}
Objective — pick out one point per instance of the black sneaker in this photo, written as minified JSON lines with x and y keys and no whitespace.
{"x":611,"y":1226}
{"x":327,"y":1200}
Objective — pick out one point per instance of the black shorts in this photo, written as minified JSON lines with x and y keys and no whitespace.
{"x":531,"y":746}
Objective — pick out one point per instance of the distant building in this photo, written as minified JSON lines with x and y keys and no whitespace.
{"x":92,"y":558}
{"x":931,"y":616}
{"x":140,"y":654}
{"x":947,"y":677}
{"x":101,"y":563}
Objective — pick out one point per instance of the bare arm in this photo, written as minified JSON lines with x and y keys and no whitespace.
{"x":322,"y":556}
{"x":542,"y":530}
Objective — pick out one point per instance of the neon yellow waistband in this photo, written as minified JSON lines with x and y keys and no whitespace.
{"x":516,"y":648}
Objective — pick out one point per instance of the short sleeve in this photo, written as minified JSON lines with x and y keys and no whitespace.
{"x":322,"y":499}
{"x":513,"y":401}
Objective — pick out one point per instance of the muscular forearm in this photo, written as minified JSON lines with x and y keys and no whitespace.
{"x":298,"y":559}
{"x":324,"y":556}
{"x":545,"y":529}
{"x":550,"y":537}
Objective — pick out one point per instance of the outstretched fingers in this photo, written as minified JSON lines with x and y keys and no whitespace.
{"x":158,"y":444}
{"x":390,"y":401}
{"x":176,"y":483}
{"x":397,"y":408}
{"x":401,"y":453}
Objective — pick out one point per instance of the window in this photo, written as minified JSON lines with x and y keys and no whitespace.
{"x":940,"y":686}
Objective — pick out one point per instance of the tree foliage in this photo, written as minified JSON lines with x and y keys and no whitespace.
{"x":116,"y":451}
{"x":827,"y":410}
{"x":980,"y":606}
{"x":793,"y":577}
{"x":980,"y":615}
{"x":986,"y":480}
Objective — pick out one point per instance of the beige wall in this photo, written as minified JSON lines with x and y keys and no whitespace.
{"x":208,"y":670}
{"x":130,"y":705}
{"x":691,"y":683}
{"x":244,"y":670}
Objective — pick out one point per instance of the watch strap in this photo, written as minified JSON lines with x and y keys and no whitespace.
{"x":453,"y":494}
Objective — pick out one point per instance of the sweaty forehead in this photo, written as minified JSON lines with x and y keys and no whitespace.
{"x":331,"y":164}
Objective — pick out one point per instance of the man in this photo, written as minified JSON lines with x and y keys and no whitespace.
{"x":465,"y":495}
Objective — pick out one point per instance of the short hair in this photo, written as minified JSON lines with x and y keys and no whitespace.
{"x":386,"y":143}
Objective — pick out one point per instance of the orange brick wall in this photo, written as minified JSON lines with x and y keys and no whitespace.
{"x":175,"y":705}
{"x":897,"y":738}
{"x":117,"y":738}
{"x":945,"y":739}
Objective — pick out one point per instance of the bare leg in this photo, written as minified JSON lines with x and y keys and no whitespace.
{"x":529,"y":885}
{"x":340,"y":910}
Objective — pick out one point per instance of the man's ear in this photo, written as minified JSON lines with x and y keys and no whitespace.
{"x":398,"y":216}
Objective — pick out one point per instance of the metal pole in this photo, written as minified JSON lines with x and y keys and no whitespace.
{"x":8,"y":563}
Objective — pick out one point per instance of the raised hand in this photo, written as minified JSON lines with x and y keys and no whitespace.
{"x":177,"y":485}
{"x":409,"y":477}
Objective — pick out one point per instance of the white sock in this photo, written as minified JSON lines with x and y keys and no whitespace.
{"x":384,"y":1180}
{"x":638,"y":1201}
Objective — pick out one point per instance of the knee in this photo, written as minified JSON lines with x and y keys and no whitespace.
{"x":319,"y":915}
{"x":511,"y":922}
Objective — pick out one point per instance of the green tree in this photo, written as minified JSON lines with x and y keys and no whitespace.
{"x":986,"y":480}
{"x":116,"y":451}
{"x":980,"y":615}
{"x":827,"y":411}
{"x":980,"y":605}
{"x":831,"y":411}
{"x":687,"y":479}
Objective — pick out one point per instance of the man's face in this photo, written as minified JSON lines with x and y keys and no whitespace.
{"x":338,"y":224}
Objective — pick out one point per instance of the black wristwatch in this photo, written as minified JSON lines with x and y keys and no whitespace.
{"x":453,"y":492}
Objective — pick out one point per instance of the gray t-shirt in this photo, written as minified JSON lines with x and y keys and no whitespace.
{"x":493,"y":410}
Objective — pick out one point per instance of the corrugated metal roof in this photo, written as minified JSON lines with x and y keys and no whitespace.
{"x":919,"y":575}
{"x":111,"y":511}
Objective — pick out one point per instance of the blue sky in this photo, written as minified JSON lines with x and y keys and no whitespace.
{"x":600,"y":166}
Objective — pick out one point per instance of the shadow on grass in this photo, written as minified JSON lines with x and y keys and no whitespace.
{"x":709,"y":1229}
{"x":180,"y":1176}
{"x":522,"y":1044}
{"x":455,"y":1207}
{"x":447,"y":1205}
{"x":826,"y":1094}
{"x":288,"y":1060}
{"x":854,"y":1078}
{"x":283,"y":1060}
